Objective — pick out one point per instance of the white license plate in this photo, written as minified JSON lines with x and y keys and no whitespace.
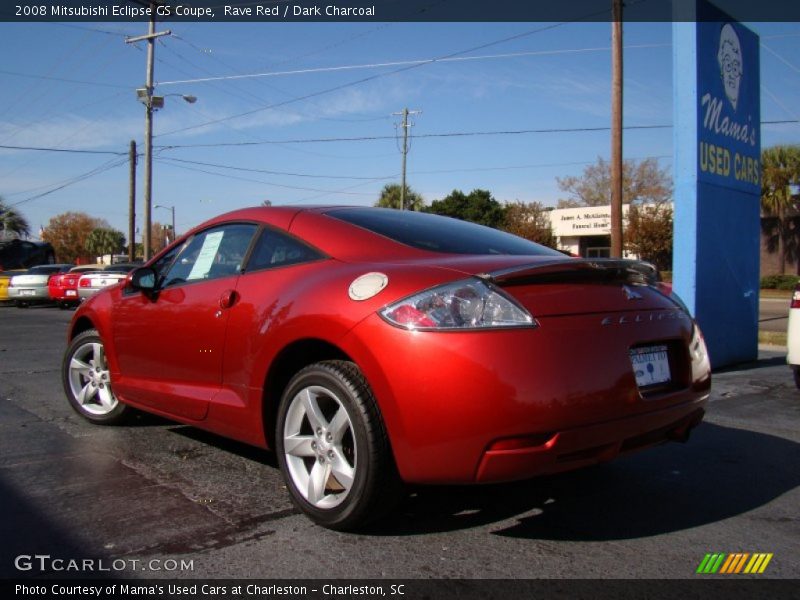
{"x":71,"y":293}
{"x":27,"y":292}
{"x":650,"y":365}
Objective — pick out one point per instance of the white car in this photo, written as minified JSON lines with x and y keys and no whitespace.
{"x":793,"y":336}
{"x":31,"y":287}
{"x":94,"y":281}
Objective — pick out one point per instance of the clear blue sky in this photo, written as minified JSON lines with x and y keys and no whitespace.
{"x":556,"y":77}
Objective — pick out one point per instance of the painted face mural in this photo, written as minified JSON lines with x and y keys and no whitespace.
{"x":729,"y":57}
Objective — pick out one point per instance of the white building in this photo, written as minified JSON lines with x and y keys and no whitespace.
{"x":585,"y":231}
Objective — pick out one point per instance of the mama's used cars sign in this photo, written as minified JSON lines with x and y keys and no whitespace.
{"x":717,"y":149}
{"x":728,"y":108}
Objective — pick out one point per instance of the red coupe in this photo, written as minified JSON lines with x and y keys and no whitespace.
{"x":63,"y":288}
{"x":370,"y":347}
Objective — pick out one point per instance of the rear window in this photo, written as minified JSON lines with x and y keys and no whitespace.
{"x":435,"y":233}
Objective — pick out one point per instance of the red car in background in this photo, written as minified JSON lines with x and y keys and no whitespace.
{"x":373,"y":347}
{"x":63,"y":288}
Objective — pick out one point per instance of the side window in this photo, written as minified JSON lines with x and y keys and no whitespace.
{"x":214,"y":253}
{"x":275,"y":249}
{"x":163,"y":263}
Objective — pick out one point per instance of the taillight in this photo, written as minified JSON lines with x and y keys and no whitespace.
{"x":796,"y":297}
{"x":85,"y":283}
{"x":467,"y":304}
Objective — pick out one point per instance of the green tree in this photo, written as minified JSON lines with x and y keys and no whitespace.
{"x":648,"y":233}
{"x":390,"y":198}
{"x":68,"y":233}
{"x":531,"y":221}
{"x":780,"y":170}
{"x":478,"y":206}
{"x":642,"y":181}
{"x":12,"y":223}
{"x":103,"y":241}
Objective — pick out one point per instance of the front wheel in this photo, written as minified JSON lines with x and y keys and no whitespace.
{"x":333,"y":448}
{"x":87,"y":381}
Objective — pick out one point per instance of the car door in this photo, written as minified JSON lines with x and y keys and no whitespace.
{"x":170,"y":344}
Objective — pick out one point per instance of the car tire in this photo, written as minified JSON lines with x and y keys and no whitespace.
{"x":796,"y":373}
{"x":333,"y":449}
{"x":87,"y":381}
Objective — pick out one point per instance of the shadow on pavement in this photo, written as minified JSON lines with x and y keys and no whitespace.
{"x":722,"y":472}
{"x":763,"y":363}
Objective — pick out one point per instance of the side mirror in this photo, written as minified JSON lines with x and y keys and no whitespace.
{"x":143,"y":279}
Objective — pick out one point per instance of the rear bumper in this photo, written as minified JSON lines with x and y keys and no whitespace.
{"x":450,"y":401}
{"x":31,"y":294}
{"x":584,"y":446}
{"x":64,"y":295}
{"x":793,"y":338}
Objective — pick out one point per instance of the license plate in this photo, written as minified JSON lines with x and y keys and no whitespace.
{"x":71,"y":293}
{"x":650,"y":365}
{"x":27,"y":292}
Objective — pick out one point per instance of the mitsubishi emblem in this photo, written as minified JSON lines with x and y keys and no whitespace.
{"x":631,"y":294}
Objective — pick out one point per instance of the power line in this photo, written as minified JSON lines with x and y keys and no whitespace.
{"x":288,"y":174}
{"x":374,"y":77}
{"x":63,"y":80}
{"x":365,"y":138}
{"x":96,"y":171}
{"x":290,"y":187}
{"x":67,"y":150}
{"x":362,"y":138}
{"x":416,"y":62}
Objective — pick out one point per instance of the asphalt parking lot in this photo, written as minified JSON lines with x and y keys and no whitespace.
{"x":163,"y":492}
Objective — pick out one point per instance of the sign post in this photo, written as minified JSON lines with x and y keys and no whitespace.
{"x":717,"y":156}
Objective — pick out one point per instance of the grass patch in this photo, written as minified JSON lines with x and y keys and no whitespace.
{"x":776,"y":294}
{"x":773,"y":338}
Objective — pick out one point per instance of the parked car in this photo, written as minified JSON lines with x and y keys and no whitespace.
{"x":373,"y":347}
{"x":31,"y":287}
{"x":5,"y":279}
{"x":793,"y":336}
{"x":104,"y":276}
{"x":22,"y":254}
{"x":63,"y":288}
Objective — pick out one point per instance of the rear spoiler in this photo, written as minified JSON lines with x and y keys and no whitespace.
{"x":595,"y":270}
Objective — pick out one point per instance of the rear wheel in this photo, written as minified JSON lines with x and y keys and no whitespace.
{"x":333,"y":449}
{"x":87,"y":381}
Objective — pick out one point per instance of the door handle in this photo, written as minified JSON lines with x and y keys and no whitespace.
{"x":228,"y":299}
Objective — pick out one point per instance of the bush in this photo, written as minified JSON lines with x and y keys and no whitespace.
{"x":779,"y":282}
{"x":666,"y":276}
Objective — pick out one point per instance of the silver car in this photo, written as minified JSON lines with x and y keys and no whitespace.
{"x":31,"y":287}
{"x":94,"y":281}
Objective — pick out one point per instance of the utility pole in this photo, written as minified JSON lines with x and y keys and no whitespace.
{"x":132,"y":204}
{"x":616,"y":129}
{"x":147,"y":99}
{"x":170,"y":208}
{"x":405,"y":127}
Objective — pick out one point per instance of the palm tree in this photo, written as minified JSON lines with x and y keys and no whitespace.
{"x":390,"y":198}
{"x":12,"y":223}
{"x":102,"y":241}
{"x":780,"y":169}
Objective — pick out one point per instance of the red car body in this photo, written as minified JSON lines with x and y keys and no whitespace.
{"x":466,"y":406}
{"x":63,"y":288}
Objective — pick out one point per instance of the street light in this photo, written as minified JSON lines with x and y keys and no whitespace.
{"x":170,"y":208}
{"x":151,"y":104}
